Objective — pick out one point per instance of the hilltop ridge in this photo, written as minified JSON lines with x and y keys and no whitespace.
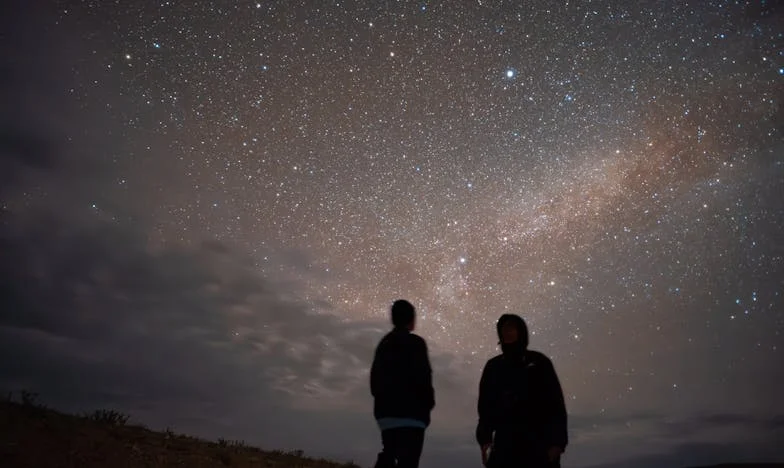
{"x":32,"y":435}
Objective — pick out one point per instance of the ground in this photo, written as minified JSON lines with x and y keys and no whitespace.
{"x":34,"y":436}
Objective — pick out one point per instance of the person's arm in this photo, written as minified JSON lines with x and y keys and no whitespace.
{"x":557,"y":420}
{"x":486,"y":425}
{"x":375,"y":371}
{"x":429,"y":386}
{"x":425,"y":375}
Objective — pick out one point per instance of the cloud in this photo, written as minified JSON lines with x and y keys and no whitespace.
{"x":659,"y":439}
{"x":194,"y":338}
{"x":27,"y":149}
{"x":747,"y":422}
{"x":701,"y":455}
{"x":187,"y":337}
{"x":91,"y":312}
{"x":32,"y":115}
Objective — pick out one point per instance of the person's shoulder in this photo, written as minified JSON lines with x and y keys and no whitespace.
{"x":385,"y":337}
{"x":416,"y":340}
{"x":384,"y":341}
{"x":494,"y":361}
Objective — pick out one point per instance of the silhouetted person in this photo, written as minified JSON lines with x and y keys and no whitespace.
{"x":522,"y":415}
{"x":402,"y":386}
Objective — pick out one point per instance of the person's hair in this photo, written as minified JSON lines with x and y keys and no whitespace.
{"x":402,"y":313}
{"x":522,"y":328}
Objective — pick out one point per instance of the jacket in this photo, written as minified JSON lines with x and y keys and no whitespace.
{"x":522,"y":404}
{"x":401,"y":378}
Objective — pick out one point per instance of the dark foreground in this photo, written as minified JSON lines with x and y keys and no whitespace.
{"x":34,"y":436}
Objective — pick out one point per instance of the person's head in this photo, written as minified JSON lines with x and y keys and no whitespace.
{"x":512,"y":331}
{"x":403,"y":314}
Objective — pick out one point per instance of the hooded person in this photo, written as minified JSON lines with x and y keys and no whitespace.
{"x":522,"y":415}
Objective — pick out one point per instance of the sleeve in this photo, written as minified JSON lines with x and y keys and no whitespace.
{"x":375,"y":373}
{"x":486,"y":425}
{"x":557,"y":420}
{"x":428,"y":393}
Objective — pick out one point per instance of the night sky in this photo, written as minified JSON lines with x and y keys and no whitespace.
{"x":208,"y":208}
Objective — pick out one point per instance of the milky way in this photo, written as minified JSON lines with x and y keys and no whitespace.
{"x":475,"y":159}
{"x":612,"y":173}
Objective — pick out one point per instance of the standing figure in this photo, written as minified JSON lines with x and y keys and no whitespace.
{"x":522,"y":415}
{"x":402,"y":386}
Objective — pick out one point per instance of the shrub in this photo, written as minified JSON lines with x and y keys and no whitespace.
{"x":111,"y":417}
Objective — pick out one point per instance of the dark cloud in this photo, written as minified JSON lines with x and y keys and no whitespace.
{"x":32,"y":113}
{"x":680,"y":425}
{"x":195,"y":338}
{"x":677,"y":440}
{"x":92,"y":310}
{"x":704,"y":455}
{"x":28,"y":149}
{"x":190,"y":337}
{"x":769,"y":424}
